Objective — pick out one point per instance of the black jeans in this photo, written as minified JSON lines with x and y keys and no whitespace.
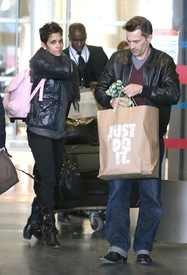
{"x":48,"y":156}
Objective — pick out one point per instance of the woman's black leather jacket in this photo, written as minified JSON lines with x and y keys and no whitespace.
{"x":161,"y":86}
{"x":61,"y":81}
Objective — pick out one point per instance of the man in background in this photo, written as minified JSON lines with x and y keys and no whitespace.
{"x":123,"y":45}
{"x":90,"y":60}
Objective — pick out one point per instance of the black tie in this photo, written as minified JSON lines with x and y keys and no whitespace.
{"x":81,"y":62}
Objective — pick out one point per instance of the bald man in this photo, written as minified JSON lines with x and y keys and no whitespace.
{"x":94,"y":58}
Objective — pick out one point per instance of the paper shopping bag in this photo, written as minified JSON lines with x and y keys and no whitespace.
{"x":128,"y":142}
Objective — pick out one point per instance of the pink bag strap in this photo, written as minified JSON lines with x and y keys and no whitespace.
{"x":41,"y":87}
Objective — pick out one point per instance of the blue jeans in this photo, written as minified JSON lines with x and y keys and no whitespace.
{"x":118,"y":215}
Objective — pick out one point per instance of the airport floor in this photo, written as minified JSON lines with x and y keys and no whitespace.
{"x":81,"y":246}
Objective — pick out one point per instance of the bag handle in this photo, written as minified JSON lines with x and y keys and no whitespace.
{"x":131,"y":98}
{"x":66,"y":155}
{"x":31,"y":176}
{"x":39,"y":86}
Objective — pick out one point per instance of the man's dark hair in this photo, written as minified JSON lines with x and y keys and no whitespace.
{"x":139,"y":23}
{"x":48,"y":29}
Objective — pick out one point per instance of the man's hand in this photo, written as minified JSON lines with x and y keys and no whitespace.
{"x":132,"y":90}
{"x":120,"y":102}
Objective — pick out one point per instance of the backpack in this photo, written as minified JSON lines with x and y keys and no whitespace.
{"x":18,"y":95}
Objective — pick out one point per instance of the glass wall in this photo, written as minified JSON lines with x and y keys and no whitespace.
{"x":15,"y":43}
{"x":20,"y":21}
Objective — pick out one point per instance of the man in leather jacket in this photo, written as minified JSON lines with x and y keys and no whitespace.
{"x":150,"y":78}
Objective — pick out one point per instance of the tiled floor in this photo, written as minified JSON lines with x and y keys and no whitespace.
{"x":81,"y":247}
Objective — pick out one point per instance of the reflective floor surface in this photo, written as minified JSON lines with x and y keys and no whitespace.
{"x":81,"y":246}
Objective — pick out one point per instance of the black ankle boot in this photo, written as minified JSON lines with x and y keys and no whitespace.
{"x":51,"y":241}
{"x":34,"y":223}
{"x":49,"y":229}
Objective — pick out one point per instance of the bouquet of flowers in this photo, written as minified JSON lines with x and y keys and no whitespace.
{"x":116,"y":90}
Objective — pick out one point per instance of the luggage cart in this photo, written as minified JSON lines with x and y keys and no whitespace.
{"x":82,"y":147}
{"x":94,"y":191}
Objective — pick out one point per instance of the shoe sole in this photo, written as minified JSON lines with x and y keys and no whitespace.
{"x":28,"y":236}
{"x":57,"y":246}
{"x":144,"y":263}
{"x":105,"y":261}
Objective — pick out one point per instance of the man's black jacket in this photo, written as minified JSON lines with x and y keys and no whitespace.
{"x":97,"y":61}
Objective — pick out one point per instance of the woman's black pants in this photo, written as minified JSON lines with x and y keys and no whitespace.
{"x":48,"y":156}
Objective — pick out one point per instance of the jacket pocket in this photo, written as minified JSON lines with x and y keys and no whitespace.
{"x":44,"y":114}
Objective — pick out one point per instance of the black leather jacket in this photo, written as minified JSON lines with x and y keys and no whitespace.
{"x":161,"y":86}
{"x":60,"y":90}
